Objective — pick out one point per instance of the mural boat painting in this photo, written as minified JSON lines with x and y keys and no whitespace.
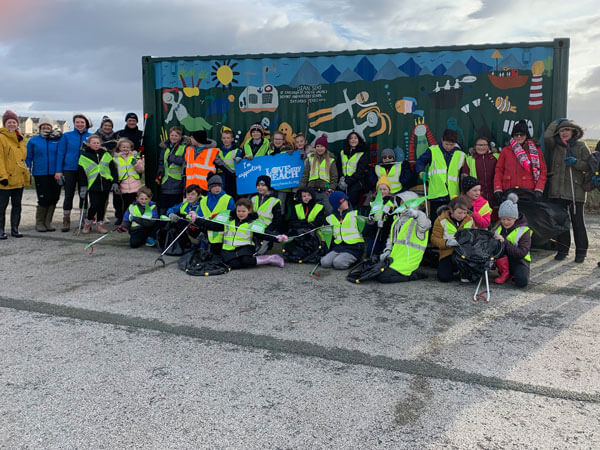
{"x":508,"y":79}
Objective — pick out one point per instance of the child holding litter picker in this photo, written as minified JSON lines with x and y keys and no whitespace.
{"x":516,"y":235}
{"x":238,"y":229}
{"x":182,"y":210}
{"x":379,"y":224}
{"x":451,"y":218}
{"x":406,"y":243}
{"x":138,"y":220}
{"x":348,"y":242}
{"x":129,"y":167}
{"x":97,"y":177}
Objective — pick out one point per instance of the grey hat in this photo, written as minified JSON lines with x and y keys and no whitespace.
{"x":509,"y":207}
{"x":388,"y":152}
{"x":215,"y":180}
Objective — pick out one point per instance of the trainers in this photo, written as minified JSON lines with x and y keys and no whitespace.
{"x":100,"y":228}
{"x":87,"y":226}
{"x":560,"y":256}
{"x":464,"y":279}
{"x":150,"y":242}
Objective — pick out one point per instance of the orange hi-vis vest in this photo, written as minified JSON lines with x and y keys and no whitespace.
{"x":197,"y":168}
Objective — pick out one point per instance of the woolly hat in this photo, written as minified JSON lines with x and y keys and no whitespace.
{"x":450,"y":135}
{"x":469,"y":183}
{"x":106,"y":119}
{"x":383,"y":179}
{"x":521,"y":127}
{"x":322,"y":141}
{"x":131,"y":115}
{"x":9,"y":115}
{"x":336,"y":198}
{"x":265,"y":179}
{"x":201,"y":137}
{"x":45,"y":120}
{"x":88,"y":122}
{"x":388,"y":152}
{"x":509,"y":207}
{"x":214,"y":180}
{"x":257,"y":126}
{"x":407,"y":195}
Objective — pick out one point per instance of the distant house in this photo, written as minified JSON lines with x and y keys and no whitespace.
{"x":30,"y":126}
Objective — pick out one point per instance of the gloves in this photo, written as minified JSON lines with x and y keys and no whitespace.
{"x":342,"y":184}
{"x":451,"y":242}
{"x":498,"y":197}
{"x":115,"y":188}
{"x":412,"y":213}
{"x":380,"y":223}
{"x":387,"y":209}
{"x":83,"y":192}
{"x":385,"y":254}
{"x":192,"y":216}
{"x":238,"y":159}
{"x":282,"y":237}
{"x":4,"y":182}
{"x":174,"y":217}
{"x":570,"y":161}
{"x":122,"y":229}
{"x":539,"y":195}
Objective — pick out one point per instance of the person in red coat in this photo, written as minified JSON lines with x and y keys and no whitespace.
{"x":520,"y":165}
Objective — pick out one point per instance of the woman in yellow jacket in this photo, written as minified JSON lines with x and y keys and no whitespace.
{"x":14,"y":174}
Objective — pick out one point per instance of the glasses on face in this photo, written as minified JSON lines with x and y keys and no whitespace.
{"x":519,"y":135}
{"x":481,"y":145}
{"x":387,"y":157}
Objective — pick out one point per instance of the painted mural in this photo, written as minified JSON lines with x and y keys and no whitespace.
{"x":398,"y":100}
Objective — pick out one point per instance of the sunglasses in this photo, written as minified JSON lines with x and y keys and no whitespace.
{"x":519,"y":134}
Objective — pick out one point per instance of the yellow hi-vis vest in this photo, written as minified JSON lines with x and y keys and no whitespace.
{"x":172,"y":170}
{"x":347,"y":230}
{"x":449,"y":228}
{"x":125,"y":168}
{"x":183,"y":209}
{"x":312,"y":215}
{"x":134,"y":211}
{"x":408,"y":249}
{"x":349,"y":165}
{"x":229,"y":157}
{"x":319,"y":172}
{"x":265,"y":211}
{"x":93,"y":169}
{"x":444,"y":180}
{"x":234,"y":237}
{"x":393,"y":176}
{"x":515,"y":235}
{"x":214,"y":237}
{"x":262,"y":150}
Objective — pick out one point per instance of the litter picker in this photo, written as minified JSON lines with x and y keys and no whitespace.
{"x":90,"y":246}
{"x":160,"y":258}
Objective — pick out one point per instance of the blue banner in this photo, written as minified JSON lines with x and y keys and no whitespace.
{"x":285,"y":171}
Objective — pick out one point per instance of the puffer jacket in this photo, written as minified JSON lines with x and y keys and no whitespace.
{"x":437,"y":235}
{"x":12,"y":160}
{"x":510,"y":174}
{"x":560,"y":174}
{"x":41,"y":154}
{"x":69,"y":149}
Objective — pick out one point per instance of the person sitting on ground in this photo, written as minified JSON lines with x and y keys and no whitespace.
{"x":308,"y":214}
{"x":143,"y":231}
{"x":406,"y":244}
{"x":451,"y":218}
{"x":348,"y":243}
{"x":379,"y":224}
{"x":516,"y":235}
{"x":238,"y":250}
{"x":482,"y":212}
{"x":182,"y":210}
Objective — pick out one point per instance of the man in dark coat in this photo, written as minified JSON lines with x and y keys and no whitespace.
{"x":131,"y":130}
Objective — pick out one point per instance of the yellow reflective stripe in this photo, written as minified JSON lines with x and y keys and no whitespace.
{"x":485,"y":209}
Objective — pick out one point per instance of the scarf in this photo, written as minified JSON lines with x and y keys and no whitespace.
{"x":531,"y":163}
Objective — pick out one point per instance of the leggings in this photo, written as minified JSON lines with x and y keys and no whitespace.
{"x":15,"y":196}
{"x":579,"y":231}
{"x":47,"y":190}
{"x":242,"y":262}
{"x":121,"y":202}
{"x":97,"y":206}
{"x":70,"y":185}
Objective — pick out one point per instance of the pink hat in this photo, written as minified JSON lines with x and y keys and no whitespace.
{"x":9,"y":115}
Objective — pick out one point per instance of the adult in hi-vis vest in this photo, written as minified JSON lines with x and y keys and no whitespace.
{"x":440,"y":168}
{"x":199,"y":159}
{"x":353,"y":168}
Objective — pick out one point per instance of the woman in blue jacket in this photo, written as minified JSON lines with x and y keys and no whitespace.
{"x":67,"y":162}
{"x":41,"y":160}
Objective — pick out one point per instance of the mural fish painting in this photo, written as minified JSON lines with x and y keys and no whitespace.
{"x":408,"y":105}
{"x":503,"y":105}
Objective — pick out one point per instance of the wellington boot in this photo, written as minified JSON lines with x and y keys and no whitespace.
{"x":66,"y":224}
{"x":87,"y":226}
{"x":40,"y":216}
{"x":502,"y":265}
{"x":274,"y":260}
{"x":48,"y":218}
{"x":100,"y":228}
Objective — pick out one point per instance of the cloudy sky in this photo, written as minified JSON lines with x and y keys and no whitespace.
{"x":63,"y":56}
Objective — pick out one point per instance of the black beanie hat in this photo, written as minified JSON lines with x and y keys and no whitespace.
{"x":469,"y":183}
{"x":521,"y":127}
{"x":264,"y":179}
{"x":201,"y":137}
{"x":131,"y":115}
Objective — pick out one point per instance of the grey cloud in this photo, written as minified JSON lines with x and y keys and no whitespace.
{"x":591,"y":81}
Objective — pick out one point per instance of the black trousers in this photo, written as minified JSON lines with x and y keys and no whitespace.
{"x":121,"y":202}
{"x":97,"y":206}
{"x":138,"y":235}
{"x":15,"y":196}
{"x":519,"y":269}
{"x":391,"y":276}
{"x":70,"y":185}
{"x":230,"y":183}
{"x":165,"y":201}
{"x":354,"y":193}
{"x":446,"y":269}
{"x":579,"y":231}
{"x":47,"y":190}
{"x":242,"y":262}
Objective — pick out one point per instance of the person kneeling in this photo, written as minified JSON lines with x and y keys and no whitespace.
{"x":143,"y":231}
{"x":238,"y":250}
{"x":516,"y":235}
{"x":347,"y":226}
{"x":406,"y":245}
